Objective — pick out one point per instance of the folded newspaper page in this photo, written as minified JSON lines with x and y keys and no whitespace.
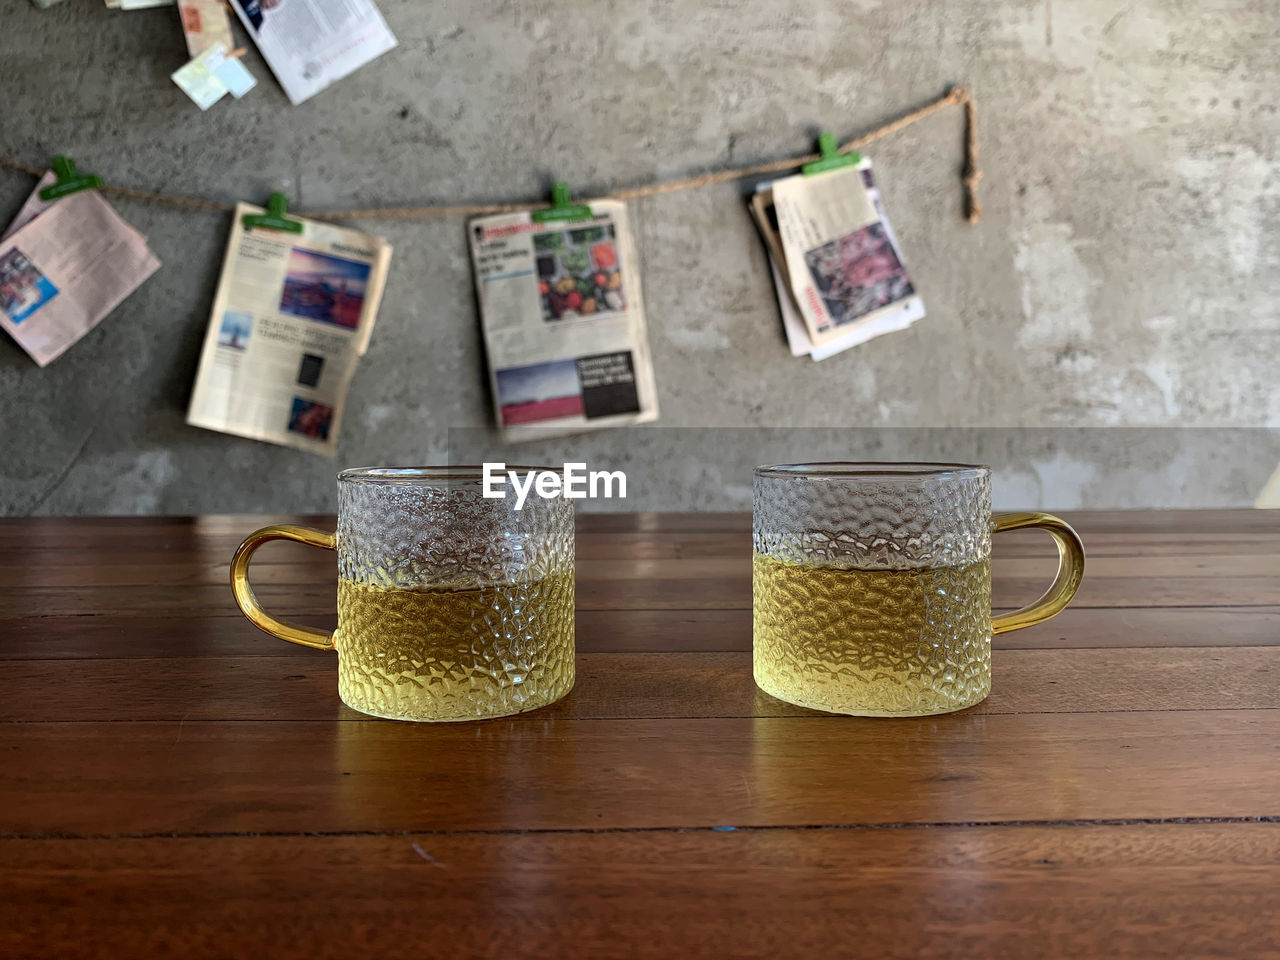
{"x":563,"y":322}
{"x":292,"y":315}
{"x":309,"y":44}
{"x":64,"y":265}
{"x":838,"y":253}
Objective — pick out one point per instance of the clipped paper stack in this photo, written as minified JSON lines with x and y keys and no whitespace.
{"x":840,"y":277}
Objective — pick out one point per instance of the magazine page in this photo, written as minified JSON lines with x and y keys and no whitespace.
{"x":66,"y":265}
{"x":292,"y":315}
{"x":563,"y":322}
{"x":309,"y":44}
{"x":841,"y":259}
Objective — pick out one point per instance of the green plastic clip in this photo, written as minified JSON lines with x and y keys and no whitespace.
{"x":831,"y":157}
{"x":561,"y":208}
{"x":68,"y":180}
{"x":274,"y":218}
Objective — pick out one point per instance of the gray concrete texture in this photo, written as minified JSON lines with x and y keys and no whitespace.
{"x":1125,"y":272}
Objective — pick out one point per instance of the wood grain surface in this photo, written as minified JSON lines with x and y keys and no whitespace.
{"x":175,"y":783}
{"x":1009,"y":892}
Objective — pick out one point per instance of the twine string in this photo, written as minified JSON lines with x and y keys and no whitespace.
{"x":970,"y":176}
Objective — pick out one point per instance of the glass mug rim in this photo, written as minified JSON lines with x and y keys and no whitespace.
{"x":872,"y":470}
{"x":461,"y":473}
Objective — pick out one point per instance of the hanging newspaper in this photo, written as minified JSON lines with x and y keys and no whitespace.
{"x":563,"y":322}
{"x":830,"y":240}
{"x":292,"y":315}
{"x":310,"y":44}
{"x":64,"y":265}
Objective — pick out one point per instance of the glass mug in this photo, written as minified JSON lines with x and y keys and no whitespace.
{"x":871,"y":585}
{"x":451,"y":606}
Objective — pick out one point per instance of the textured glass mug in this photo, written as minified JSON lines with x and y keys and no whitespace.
{"x":451,"y":606}
{"x":872,"y":585}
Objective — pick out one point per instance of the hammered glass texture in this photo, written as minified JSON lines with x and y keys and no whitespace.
{"x":873,"y":523}
{"x":452,"y":606}
{"x":872,"y":593}
{"x":407,"y":536}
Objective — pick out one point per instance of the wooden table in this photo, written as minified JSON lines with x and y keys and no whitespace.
{"x":174,"y":782}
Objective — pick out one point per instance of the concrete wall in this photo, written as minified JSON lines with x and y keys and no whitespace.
{"x":1126,"y":270}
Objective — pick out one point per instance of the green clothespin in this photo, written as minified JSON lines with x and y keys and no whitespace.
{"x":274,"y":218}
{"x":68,"y":180}
{"x":831,"y":158}
{"x":561,"y":208}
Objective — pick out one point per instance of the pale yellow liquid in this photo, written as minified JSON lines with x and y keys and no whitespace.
{"x":889,"y":643}
{"x":444,"y":654}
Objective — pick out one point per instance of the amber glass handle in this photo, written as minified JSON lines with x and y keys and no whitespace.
{"x":1065,"y":584}
{"x":248,"y":603}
